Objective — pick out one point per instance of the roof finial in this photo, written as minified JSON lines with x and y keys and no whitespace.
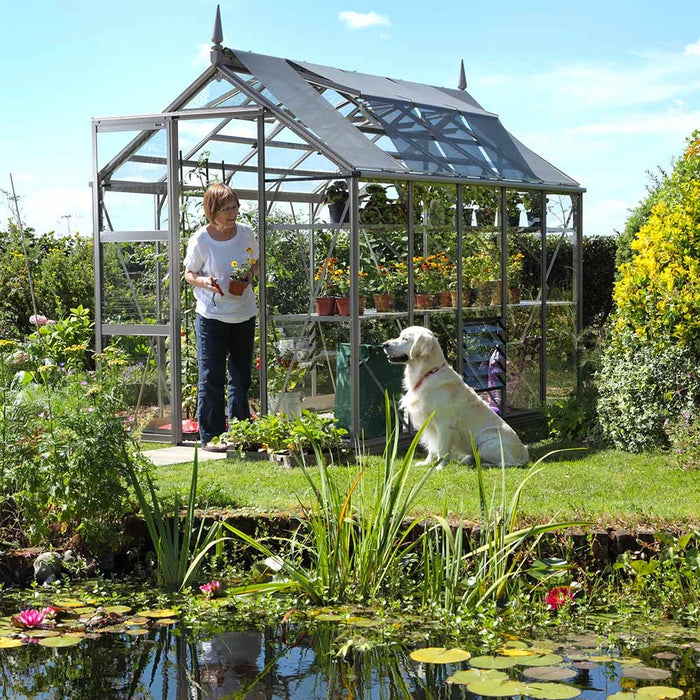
{"x":462,"y":77}
{"x":217,"y":37}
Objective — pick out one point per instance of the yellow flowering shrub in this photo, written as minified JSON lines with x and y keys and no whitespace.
{"x":658,"y":291}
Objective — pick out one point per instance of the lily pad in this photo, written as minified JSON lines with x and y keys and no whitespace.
{"x":550,"y":673}
{"x":646,"y":673}
{"x":660,"y":692}
{"x":546,"y":660}
{"x":137,"y":631}
{"x":84,"y":610}
{"x":628,"y":660}
{"x":119,"y":609}
{"x":68,"y":603}
{"x":586,"y":665}
{"x":514,"y":644}
{"x":666,"y":655}
{"x":439,"y":655}
{"x":492,"y":662}
{"x":551,"y":691}
{"x":9,"y":643}
{"x":361,"y":621}
{"x":471,"y":675}
{"x":38,"y":634}
{"x":515,"y":653}
{"x":66,"y":640}
{"x":328,"y":617}
{"x":497,"y":688}
{"x":136,"y":620}
{"x":159,"y":613}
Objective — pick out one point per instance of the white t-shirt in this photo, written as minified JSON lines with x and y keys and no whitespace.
{"x":211,"y":258}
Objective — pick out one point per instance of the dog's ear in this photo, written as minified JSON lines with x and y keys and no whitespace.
{"x":421,"y":346}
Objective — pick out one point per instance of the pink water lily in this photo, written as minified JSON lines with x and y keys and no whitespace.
{"x":29,"y":618}
{"x":211,"y":589}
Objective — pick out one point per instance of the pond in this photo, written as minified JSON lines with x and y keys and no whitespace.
{"x":154,"y":657}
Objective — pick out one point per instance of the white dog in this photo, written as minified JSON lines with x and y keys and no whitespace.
{"x":433,"y":387}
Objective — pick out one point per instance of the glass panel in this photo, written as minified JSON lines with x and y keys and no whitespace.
{"x":147,"y":379}
{"x":561,"y":309}
{"x":523,"y":365}
{"x":135,"y":286}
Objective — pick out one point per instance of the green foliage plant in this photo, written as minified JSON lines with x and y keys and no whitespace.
{"x":67,"y":438}
{"x":658,"y":290}
{"x":346,"y":552}
{"x":179,"y":554}
{"x":464,"y":571}
{"x":640,"y":387}
{"x":683,"y":435}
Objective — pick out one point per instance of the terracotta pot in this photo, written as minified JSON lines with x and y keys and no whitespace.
{"x":342,"y":306}
{"x":423,"y":301}
{"x":484,"y":293}
{"x":445,"y":299}
{"x":496,"y":293}
{"x":384,"y":302}
{"x":514,"y":295}
{"x":325,"y":306}
{"x":465,"y":297}
{"x":237,"y":287}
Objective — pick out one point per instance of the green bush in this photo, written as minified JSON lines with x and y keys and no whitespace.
{"x":640,"y":387}
{"x":67,"y":439}
{"x":62,"y":275}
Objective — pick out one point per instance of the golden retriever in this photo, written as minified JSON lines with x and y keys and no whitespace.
{"x":432,"y":387}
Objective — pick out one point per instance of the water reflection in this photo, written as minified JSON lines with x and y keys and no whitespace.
{"x":167,"y":664}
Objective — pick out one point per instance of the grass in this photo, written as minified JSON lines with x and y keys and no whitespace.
{"x":611,"y":488}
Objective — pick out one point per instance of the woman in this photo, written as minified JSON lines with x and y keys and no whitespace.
{"x":225,"y":323}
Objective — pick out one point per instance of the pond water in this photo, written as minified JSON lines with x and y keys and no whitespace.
{"x":161,"y":662}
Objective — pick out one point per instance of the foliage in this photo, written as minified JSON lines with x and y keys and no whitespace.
{"x":61,"y":269}
{"x":336,"y":192}
{"x":391,"y":278}
{"x":178,"y":555}
{"x":514,"y":269}
{"x":343,"y":551}
{"x":658,"y":292}
{"x":683,"y":436}
{"x":670,"y":577}
{"x":277,"y":432}
{"x":432,"y":273}
{"x":243,"y":271}
{"x":497,"y":551}
{"x":640,"y":388}
{"x":67,"y":441}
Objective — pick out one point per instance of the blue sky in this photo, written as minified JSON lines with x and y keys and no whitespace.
{"x":604,"y":90}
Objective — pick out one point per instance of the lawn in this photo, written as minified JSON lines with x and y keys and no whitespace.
{"x":610,"y":488}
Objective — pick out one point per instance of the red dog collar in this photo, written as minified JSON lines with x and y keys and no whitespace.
{"x":427,"y":374}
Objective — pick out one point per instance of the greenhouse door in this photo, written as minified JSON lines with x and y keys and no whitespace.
{"x":136,"y":237}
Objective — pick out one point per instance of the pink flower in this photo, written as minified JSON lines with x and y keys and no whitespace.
{"x":558,"y":597}
{"x":29,"y":618}
{"x":211,"y":589}
{"x":38,"y":320}
{"x":50,"y":612}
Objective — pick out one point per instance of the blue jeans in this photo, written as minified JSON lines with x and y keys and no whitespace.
{"x":222,"y":346}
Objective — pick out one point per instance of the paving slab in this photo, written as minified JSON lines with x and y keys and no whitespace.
{"x":180,"y":454}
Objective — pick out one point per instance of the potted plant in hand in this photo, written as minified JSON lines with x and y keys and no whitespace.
{"x":336,"y":197}
{"x":241,"y":274}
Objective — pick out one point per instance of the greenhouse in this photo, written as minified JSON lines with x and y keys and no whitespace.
{"x":378,"y":203}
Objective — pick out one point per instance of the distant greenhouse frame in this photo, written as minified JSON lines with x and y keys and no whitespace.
{"x":280,"y":132}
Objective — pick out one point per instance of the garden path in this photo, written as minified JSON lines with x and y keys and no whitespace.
{"x":180,"y":454}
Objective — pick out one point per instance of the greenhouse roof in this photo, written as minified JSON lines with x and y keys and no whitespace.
{"x":372,"y":123}
{"x":322,"y":123}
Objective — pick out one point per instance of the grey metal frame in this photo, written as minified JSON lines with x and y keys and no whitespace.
{"x":262,"y":109}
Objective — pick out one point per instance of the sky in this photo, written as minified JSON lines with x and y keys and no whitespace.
{"x":606,"y":91}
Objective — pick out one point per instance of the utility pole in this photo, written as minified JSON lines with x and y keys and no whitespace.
{"x":67,"y":217}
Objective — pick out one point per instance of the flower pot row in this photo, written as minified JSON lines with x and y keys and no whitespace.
{"x":336,"y":306}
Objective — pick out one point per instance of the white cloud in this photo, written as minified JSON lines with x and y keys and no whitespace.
{"x":362,"y":20}
{"x":642,"y":125}
{"x":60,"y":209}
{"x":692,"y":49}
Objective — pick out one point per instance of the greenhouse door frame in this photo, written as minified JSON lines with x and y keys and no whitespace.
{"x":101,"y":235}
